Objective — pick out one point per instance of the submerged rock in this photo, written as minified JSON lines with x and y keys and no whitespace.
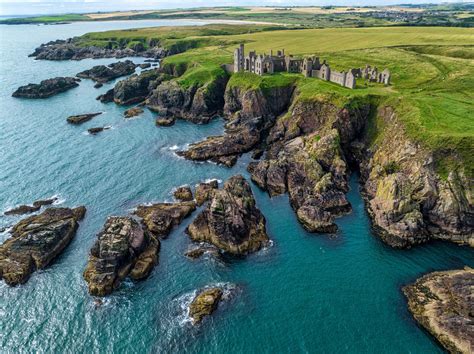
{"x":123,"y":248}
{"x":46,"y":88}
{"x":27,"y":209}
{"x":98,"y":85}
{"x":145,"y":65}
{"x":443,"y":303}
{"x":82,"y":118}
{"x":205,"y":190}
{"x":183,"y":193}
{"x":36,"y":241}
{"x":132,"y":112}
{"x":102,"y":73}
{"x":160,"y":218}
{"x":231,"y":221}
{"x":204,"y":304}
{"x":198,"y":251}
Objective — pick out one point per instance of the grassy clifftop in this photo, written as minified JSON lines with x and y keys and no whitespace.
{"x":432,"y":70}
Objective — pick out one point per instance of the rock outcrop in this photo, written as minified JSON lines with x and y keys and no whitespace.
{"x":107,"y":96}
{"x":160,"y":218}
{"x":165,"y":121}
{"x":250,"y":113}
{"x":36,"y":241}
{"x":443,"y":303}
{"x":97,"y":130}
{"x":197,"y":104}
{"x":205,"y":190}
{"x":27,"y":209}
{"x":133,"y":112}
{"x":82,"y":118}
{"x":305,"y":158}
{"x":204,"y":304}
{"x":137,"y":87}
{"x":183,"y":193}
{"x":231,"y":221}
{"x":46,"y":88}
{"x":409,"y":202}
{"x":103,"y":73}
{"x":123,"y":249}
{"x":73,"y":49}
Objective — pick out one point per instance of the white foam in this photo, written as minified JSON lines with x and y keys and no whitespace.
{"x":209,"y":180}
{"x":173,"y":148}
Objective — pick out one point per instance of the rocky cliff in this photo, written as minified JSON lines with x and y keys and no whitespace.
{"x":409,"y":200}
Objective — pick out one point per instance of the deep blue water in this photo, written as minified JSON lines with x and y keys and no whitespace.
{"x":306,"y":293}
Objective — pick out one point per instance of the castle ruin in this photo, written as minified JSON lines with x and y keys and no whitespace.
{"x":310,"y":67}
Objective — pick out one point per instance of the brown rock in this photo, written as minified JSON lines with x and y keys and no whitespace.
{"x":132,"y":112}
{"x":205,"y":190}
{"x":183,"y":193}
{"x":123,"y":248}
{"x":36,"y":241}
{"x":204,"y":304}
{"x":82,"y":118}
{"x":165,"y":121}
{"x":231,"y":222}
{"x":160,"y":218}
{"x":443,"y":303}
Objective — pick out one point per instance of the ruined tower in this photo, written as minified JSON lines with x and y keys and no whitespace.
{"x":239,"y":59}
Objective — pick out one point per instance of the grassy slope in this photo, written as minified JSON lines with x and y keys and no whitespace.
{"x":432,"y":75}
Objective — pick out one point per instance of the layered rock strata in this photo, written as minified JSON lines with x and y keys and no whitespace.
{"x":46,"y":88}
{"x":36,"y":241}
{"x":231,"y":221}
{"x":443,"y":303}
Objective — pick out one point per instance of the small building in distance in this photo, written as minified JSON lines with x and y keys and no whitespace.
{"x":261,"y":64}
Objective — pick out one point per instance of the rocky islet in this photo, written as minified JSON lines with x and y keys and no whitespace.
{"x":46,"y":88}
{"x":36,"y":241}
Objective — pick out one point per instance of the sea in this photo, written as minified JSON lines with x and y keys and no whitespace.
{"x":305,"y":293}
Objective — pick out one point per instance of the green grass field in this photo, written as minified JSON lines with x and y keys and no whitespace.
{"x":432,"y":69}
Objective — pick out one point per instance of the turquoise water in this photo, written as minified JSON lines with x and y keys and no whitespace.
{"x":306,"y":293}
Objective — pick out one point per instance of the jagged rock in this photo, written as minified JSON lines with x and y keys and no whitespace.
{"x":443,"y":303}
{"x":82,"y":118}
{"x":106,"y":97}
{"x":132,"y":112}
{"x":102,"y":73}
{"x":204,"y":304}
{"x":204,"y":191}
{"x":195,"y":104}
{"x":36,"y":241}
{"x":231,"y":221}
{"x":165,"y":121}
{"x":73,"y":49}
{"x":160,"y":218}
{"x":197,"y":252}
{"x":27,"y":209}
{"x":183,"y":193}
{"x":97,"y":130}
{"x":46,"y":88}
{"x":123,"y":248}
{"x":251,"y":113}
{"x":409,"y":202}
{"x":43,"y":202}
{"x":137,"y":87}
{"x":145,"y":65}
{"x":22,"y":209}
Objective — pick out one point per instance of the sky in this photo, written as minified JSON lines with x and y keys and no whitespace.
{"x":34,"y":7}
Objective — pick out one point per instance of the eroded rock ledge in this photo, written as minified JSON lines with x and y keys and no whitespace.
{"x":36,"y":241}
{"x":46,"y":88}
{"x":410,"y":203}
{"x":105,"y":73}
{"x":123,"y":248}
{"x":443,"y":303}
{"x":231,"y":221}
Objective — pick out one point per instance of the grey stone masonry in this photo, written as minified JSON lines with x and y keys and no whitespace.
{"x":261,"y":64}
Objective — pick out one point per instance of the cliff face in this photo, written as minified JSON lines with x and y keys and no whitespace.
{"x":250,"y":114}
{"x":408,"y":200}
{"x":305,"y":158}
{"x":195,"y":103}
